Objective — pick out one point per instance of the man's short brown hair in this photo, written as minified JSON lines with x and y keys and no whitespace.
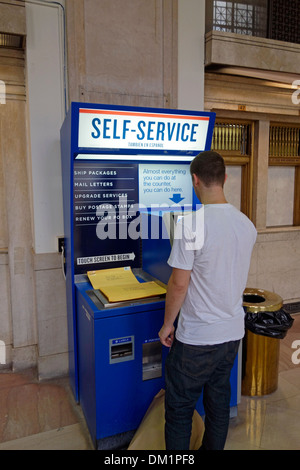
{"x":209,"y":166}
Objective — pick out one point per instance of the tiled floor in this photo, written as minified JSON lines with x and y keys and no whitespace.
{"x":40,"y":415}
{"x":44,"y":415}
{"x":272,"y":422}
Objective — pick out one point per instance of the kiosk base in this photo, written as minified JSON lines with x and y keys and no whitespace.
{"x":121,"y":363}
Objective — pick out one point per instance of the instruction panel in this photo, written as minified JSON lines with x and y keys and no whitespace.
{"x":104,"y":195}
{"x":165,"y":184}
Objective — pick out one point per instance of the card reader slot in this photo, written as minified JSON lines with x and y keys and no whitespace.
{"x":121,"y":350}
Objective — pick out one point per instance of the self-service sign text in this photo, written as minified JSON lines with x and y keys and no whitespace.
{"x":118,"y":129}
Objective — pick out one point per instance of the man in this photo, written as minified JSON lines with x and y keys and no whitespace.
{"x":206,"y":286}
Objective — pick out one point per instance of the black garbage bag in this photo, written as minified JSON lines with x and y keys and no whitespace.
{"x":271,"y":324}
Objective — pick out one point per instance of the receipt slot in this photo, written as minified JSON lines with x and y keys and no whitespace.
{"x":125,"y":171}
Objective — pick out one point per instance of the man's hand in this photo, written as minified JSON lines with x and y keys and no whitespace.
{"x":176,"y":291}
{"x":166,"y":335}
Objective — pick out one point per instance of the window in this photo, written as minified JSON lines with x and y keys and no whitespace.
{"x":283,"y":203}
{"x":274,"y":19}
{"x":12,"y":41}
{"x":233,"y":140}
{"x":284,"y":144}
{"x":242,"y":17}
{"x":284,"y":20}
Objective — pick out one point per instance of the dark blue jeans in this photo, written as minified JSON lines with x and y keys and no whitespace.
{"x":189,"y":370}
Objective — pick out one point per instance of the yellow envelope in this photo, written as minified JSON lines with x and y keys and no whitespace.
{"x":112,"y":277}
{"x":120,"y":284}
{"x":120,"y":293}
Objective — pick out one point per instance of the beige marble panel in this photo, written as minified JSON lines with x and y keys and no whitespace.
{"x":252,"y":276}
{"x":24,"y":357}
{"x":5,"y":314}
{"x":52,"y":360}
{"x":278,"y":264}
{"x":76,"y":48}
{"x":280,"y":198}
{"x":51,"y":312}
{"x":232,"y":187}
{"x":123,"y":52}
{"x":53,"y":366}
{"x":3,"y":224}
{"x":129,"y":45}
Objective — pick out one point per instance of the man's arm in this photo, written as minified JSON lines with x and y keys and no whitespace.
{"x":176,"y":292}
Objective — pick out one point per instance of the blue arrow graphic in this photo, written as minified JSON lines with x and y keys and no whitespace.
{"x":176,"y":198}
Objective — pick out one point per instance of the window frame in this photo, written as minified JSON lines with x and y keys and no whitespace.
{"x":288,"y":160}
{"x":237,"y":158}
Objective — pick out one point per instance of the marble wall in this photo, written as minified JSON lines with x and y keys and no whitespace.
{"x":17,"y":302}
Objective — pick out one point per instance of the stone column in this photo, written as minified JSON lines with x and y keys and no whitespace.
{"x":18,"y":215}
{"x":260,"y":173}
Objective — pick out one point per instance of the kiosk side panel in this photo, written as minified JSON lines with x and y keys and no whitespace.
{"x":67,"y":184}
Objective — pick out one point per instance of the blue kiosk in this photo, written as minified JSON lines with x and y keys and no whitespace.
{"x":125,"y":169}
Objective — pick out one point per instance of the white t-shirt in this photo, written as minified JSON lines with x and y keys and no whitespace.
{"x":212,"y":311}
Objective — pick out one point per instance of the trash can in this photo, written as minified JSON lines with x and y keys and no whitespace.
{"x":266,"y":323}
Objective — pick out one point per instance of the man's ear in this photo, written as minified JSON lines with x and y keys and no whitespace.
{"x":195,"y":180}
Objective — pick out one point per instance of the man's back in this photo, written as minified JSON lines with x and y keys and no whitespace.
{"x":212,"y":311}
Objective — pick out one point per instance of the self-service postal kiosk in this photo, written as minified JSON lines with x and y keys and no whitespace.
{"x":125,"y":173}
